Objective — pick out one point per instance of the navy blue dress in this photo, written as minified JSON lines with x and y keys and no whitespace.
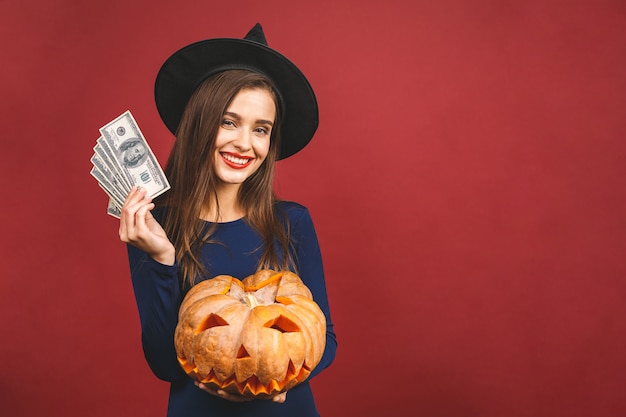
{"x":158,"y":296}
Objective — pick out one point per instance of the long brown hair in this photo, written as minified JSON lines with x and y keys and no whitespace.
{"x":193,"y":180}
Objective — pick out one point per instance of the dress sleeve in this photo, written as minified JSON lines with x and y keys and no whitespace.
{"x":311,"y":270}
{"x":158,"y":297}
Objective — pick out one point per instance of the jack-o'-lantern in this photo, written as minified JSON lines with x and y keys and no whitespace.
{"x":257,"y":337}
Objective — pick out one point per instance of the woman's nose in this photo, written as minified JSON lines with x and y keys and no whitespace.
{"x":243,"y":140}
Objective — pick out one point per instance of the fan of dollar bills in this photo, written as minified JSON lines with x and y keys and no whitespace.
{"x":123,"y":159}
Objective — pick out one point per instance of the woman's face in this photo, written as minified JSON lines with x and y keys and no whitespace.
{"x":243,"y":139}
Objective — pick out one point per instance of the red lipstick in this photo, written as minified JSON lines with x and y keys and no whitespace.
{"x":235,"y":160}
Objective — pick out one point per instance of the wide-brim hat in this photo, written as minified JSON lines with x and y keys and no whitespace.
{"x":188,"y":67}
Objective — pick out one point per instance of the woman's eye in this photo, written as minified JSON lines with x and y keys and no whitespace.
{"x":262,"y":130}
{"x":227,"y":122}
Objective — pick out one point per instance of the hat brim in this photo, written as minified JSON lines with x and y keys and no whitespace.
{"x":187,"y":68}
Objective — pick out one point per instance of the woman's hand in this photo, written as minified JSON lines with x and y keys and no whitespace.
{"x":140,"y":229}
{"x":279,"y":398}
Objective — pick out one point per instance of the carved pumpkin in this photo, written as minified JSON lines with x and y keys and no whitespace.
{"x":256,"y":338}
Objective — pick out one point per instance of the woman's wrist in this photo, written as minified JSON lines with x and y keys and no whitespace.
{"x":165,"y":258}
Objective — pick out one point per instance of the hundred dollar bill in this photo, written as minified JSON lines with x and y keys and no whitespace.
{"x":112,"y":180}
{"x":106,"y":160}
{"x":131,"y":153}
{"x":113,"y":209}
{"x":107,"y":187}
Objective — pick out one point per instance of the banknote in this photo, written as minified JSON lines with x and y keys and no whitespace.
{"x":133,"y":156}
{"x":122,"y":159}
{"x":106,"y":157}
{"x":111,"y":179}
{"x":108,"y":188}
{"x":114,"y":210}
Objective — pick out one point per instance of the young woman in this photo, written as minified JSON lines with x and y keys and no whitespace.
{"x":236,"y":107}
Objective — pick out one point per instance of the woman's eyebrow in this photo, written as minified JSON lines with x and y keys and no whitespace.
{"x":237,"y":117}
{"x":233,"y":115}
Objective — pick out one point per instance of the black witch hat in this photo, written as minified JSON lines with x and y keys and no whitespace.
{"x":187,"y":68}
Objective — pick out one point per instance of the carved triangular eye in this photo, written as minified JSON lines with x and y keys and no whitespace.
{"x":282,"y":324}
{"x":212,"y":320}
{"x":242,"y":353}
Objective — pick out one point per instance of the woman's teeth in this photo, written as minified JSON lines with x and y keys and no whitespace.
{"x":235,"y":160}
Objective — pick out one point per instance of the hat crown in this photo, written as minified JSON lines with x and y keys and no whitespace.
{"x":186,"y":68}
{"x":256,"y":35}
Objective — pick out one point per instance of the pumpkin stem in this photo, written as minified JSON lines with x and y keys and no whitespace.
{"x":250,"y":300}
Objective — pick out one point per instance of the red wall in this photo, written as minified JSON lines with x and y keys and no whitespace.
{"x":467,"y":184}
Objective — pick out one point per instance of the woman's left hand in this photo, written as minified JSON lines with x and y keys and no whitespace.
{"x":278,"y":398}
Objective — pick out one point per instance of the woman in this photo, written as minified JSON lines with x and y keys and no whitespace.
{"x":236,"y":107}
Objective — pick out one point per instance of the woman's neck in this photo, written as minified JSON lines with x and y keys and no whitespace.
{"x":227,"y":199}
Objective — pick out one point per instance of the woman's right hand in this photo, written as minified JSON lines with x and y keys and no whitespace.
{"x":139,"y":228}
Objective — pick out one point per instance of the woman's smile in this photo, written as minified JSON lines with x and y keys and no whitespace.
{"x":236,"y":161}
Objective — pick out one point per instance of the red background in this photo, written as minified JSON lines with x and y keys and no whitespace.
{"x":466,"y":181}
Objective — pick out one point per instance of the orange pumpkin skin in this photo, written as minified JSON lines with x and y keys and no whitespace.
{"x":256,"y":338}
